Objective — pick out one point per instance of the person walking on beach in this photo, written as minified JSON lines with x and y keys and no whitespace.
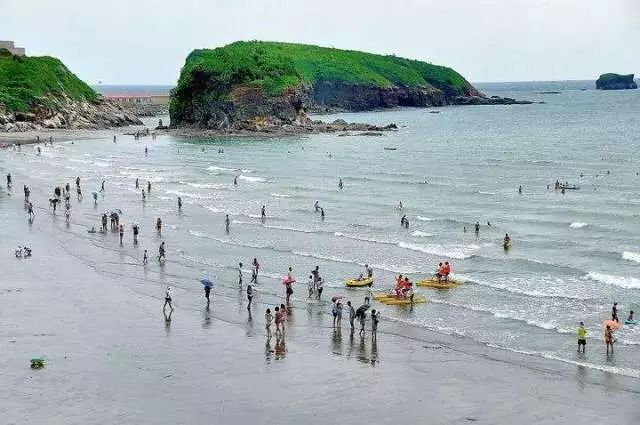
{"x":136,"y":230}
{"x":207,"y":293}
{"x":79,"y":192}
{"x":114,"y":139}
{"x":77,"y":182}
{"x":249,"y":296}
{"x":226,"y":223}
{"x":145,"y":258}
{"x":374,"y":324}
{"x":310,"y":286}
{"x":254,"y":271}
{"x":102,"y":186}
{"x":477,"y":227}
{"x":520,"y":190}
{"x":263,"y":214}
{"x":240,"y":275}
{"x":582,"y":337}
{"x":279,"y":324}
{"x":144,"y":196}
{"x":316,"y":206}
{"x":159,"y":225}
{"x":608,"y":338}
{"x":362,"y":318}
{"x":148,"y":187}
{"x":167,"y":299}
{"x":121,"y":231}
{"x":137,"y":183}
{"x":352,"y":316}
{"x":67,"y":212}
{"x":319,"y":288}
{"x":95,"y":198}
{"x":334,"y":312}
{"x":322,"y":213}
{"x":32,"y":215}
{"x":161,"y":252}
{"x":179,"y":203}
{"x":104,"y":222}
{"x":339,"y":315}
{"x":268,"y":318}
{"x":340,"y":185}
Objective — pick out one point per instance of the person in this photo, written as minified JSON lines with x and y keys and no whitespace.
{"x":288,"y":285}
{"x":406,"y":223}
{"x":146,"y":150}
{"x":95,"y":198}
{"x":67,"y":212}
{"x":137,"y":183}
{"x":30,"y":211}
{"x":145,"y":258}
{"x":369,"y":271}
{"x":488,"y":224}
{"x":477,"y":226}
{"x":374,"y":324}
{"x":207,"y":293}
{"x":322,"y":213}
{"x":77,"y":182}
{"x":121,"y":233}
{"x":256,"y":269}
{"x":446,"y":270}
{"x":114,"y":139}
{"x":79,"y":191}
{"x":614,"y":312}
{"x":630,"y":318}
{"x":582,"y":337}
{"x":268,"y":318}
{"x":340,"y":185}
{"x":338,"y":314}
{"x":136,"y":230}
{"x":161,"y":252}
{"x":608,"y":338}
{"x":102,"y":186}
{"x":334,"y":312}
{"x":399,"y":285}
{"x":148,"y":187}
{"x":520,"y":190}
{"x":249,"y":296}
{"x":310,"y":286}
{"x":439,"y":272}
{"x":159,"y":224}
{"x":362,"y":318}
{"x":279,"y":324}
{"x":557,"y":185}
{"x":240,"y":275}
{"x":319,"y":287}
{"x":352,"y":316}
{"x":226,"y":223}
{"x":9,"y":182}
{"x":316,"y":206}
{"x":179,"y":203}
{"x":464,"y":229}
{"x":400,"y":205}
{"x":104,"y":222}
{"x":316,"y":274}
{"x":92,"y":230}
{"x":402,"y":220}
{"x":263,"y":214}
{"x":144,"y":195}
{"x":167,"y":299}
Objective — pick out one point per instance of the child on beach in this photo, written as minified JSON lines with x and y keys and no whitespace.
{"x":608,"y":338}
{"x":249,"y":295}
{"x":268,"y":318}
{"x":145,"y":258}
{"x":582,"y":337}
{"x":278,"y":322}
{"x":374,"y":324}
{"x":310,"y":286}
{"x":167,"y":299}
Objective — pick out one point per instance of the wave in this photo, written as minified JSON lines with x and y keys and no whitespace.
{"x":578,"y":225}
{"x":620,"y":281}
{"x":281,"y":195}
{"x":102,"y":164}
{"x":631,"y":256}
{"x":188,"y":194}
{"x":528,"y":293}
{"x":252,"y":179}
{"x":487,"y":193}
{"x":421,"y":218}
{"x":457,"y":252}
{"x":364,"y":239}
{"x":207,"y":185}
{"x":224,"y":169}
{"x":421,"y":234}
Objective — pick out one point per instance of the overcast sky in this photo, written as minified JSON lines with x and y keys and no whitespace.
{"x":146,"y":42}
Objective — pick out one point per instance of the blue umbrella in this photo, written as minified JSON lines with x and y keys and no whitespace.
{"x":206,"y":282}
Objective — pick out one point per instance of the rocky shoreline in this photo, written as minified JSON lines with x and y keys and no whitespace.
{"x":67,"y":114}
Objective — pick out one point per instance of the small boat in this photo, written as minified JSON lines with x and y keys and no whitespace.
{"x":358,"y":283}
{"x":434,"y":283}
{"x":393,"y":299}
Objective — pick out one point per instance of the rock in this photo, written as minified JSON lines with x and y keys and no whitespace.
{"x":616,"y":82}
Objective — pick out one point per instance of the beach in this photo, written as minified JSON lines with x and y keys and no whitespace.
{"x":500,"y":348}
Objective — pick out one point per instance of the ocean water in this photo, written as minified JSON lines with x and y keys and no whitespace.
{"x":573,"y":255}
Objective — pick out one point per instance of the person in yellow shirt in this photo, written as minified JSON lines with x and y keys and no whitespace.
{"x":582,"y":337}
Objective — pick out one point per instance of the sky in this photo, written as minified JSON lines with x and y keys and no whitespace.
{"x":147,"y":41}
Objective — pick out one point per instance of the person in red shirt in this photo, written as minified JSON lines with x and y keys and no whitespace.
{"x":446,"y":270}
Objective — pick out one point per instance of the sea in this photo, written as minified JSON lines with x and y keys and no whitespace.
{"x":573,"y":254}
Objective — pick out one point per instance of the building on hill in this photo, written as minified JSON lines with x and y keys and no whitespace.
{"x":10,"y":46}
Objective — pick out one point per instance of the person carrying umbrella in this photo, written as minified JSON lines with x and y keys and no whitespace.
{"x":207,"y":288}
{"x":361,"y":316}
{"x":288,"y":282}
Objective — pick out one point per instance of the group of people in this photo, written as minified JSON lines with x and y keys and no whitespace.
{"x":403,"y":287}
{"x":443,"y":272}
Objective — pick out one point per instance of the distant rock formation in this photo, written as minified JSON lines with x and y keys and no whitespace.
{"x":616,"y":82}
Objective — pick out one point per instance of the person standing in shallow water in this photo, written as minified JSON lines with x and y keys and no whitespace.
{"x":582,"y":337}
{"x":207,"y":293}
{"x":268,"y":318}
{"x":249,"y":296}
{"x":226,"y":223}
{"x":137,"y":183}
{"x":167,"y":299}
{"x":179,"y":203}
{"x":263,"y":214}
{"x":148,"y":187}
{"x":240,"y":275}
{"x":121,"y":233}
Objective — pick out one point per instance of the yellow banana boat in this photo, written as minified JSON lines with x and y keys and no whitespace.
{"x":416,"y":299}
{"x":357,"y":283}
{"x":433,"y":283}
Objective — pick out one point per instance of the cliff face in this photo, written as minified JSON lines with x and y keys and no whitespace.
{"x":40,"y":92}
{"x":236,"y":85}
{"x":616,"y":82}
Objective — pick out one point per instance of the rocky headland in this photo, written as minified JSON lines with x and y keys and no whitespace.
{"x":616,"y":82}
{"x":41,"y":93}
{"x":271,"y":87}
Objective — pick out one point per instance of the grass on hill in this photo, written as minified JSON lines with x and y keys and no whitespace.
{"x":276,"y":67}
{"x":28,"y":81}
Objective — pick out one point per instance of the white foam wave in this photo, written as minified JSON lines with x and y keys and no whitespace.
{"x":621,"y":281}
{"x":188,"y":194}
{"x":486,"y":193}
{"x":578,"y":225}
{"x":364,"y":239}
{"x":631,"y":256}
{"x":519,"y":291}
{"x":421,"y":234}
{"x":421,"y":218}
{"x":208,"y":185}
{"x":224,"y":169}
{"x":280,"y":195}
{"x":457,"y":252}
{"x":252,"y":179}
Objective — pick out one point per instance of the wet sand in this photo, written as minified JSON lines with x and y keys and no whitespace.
{"x":113,"y":358}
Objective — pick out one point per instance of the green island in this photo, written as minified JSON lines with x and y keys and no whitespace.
{"x":249,"y":80}
{"x":41,"y":92}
